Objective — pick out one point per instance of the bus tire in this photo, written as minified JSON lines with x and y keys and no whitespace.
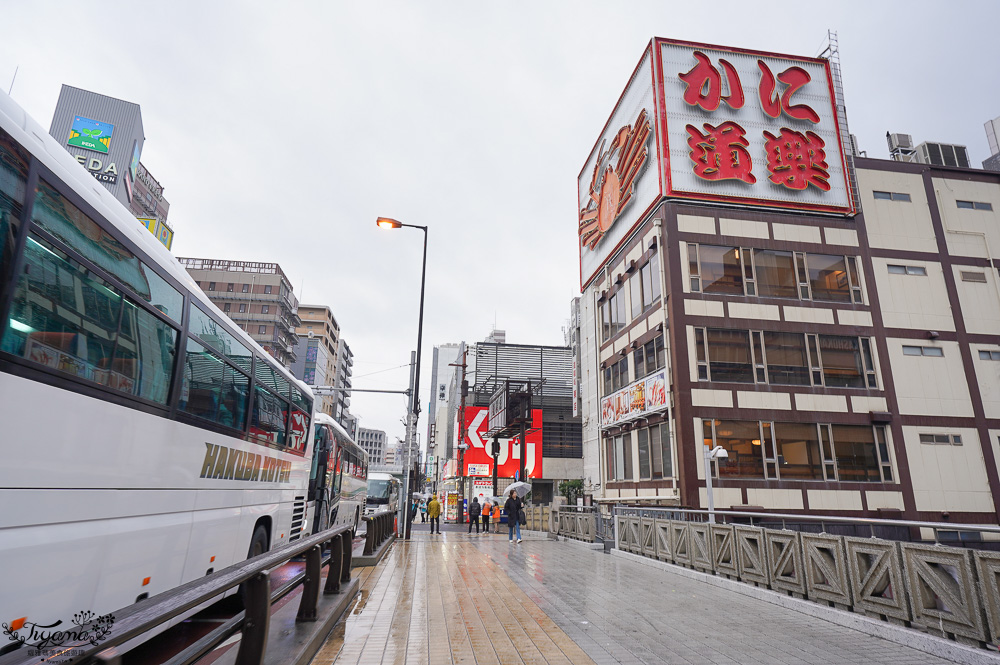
{"x":258,"y":543}
{"x":357,"y":520}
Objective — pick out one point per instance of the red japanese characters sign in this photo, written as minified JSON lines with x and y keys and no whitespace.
{"x":750,"y":127}
{"x":712,"y":123}
{"x":478,"y":459}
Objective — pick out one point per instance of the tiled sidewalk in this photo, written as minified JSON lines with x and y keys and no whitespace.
{"x":456,"y":598}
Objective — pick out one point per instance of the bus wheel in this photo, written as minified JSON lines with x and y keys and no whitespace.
{"x":258,"y":544}
{"x":357,"y":519}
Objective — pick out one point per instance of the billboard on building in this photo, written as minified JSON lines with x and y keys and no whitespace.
{"x":619,"y":181}
{"x":90,"y":134}
{"x":642,"y":397}
{"x":479,"y":462}
{"x":728,"y":125}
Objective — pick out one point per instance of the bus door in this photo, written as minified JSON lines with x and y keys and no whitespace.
{"x":319,"y":491}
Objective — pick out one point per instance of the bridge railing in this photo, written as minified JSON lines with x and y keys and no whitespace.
{"x":252,"y":623}
{"x":952,"y":592}
{"x":537,"y":517}
{"x":577,"y":522}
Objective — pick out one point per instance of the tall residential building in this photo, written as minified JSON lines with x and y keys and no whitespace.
{"x":342,"y":380}
{"x":256,"y":296}
{"x":831,"y":323}
{"x":316,"y":352}
{"x":373,"y":441}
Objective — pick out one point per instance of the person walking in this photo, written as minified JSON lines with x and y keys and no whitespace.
{"x":487,"y":509}
{"x":423,"y":511}
{"x":434,"y":512}
{"x":513,"y":509}
{"x":474,"y":511}
{"x":496,"y":517}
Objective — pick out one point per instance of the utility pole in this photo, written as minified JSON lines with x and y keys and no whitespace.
{"x":404,"y":505}
{"x":463,"y":387}
{"x":496,"y":455}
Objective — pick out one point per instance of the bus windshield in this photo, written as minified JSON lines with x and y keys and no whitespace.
{"x":378,"y":491}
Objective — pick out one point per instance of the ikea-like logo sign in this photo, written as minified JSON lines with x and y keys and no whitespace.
{"x":90,"y":134}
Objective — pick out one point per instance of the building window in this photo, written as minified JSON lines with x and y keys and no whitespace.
{"x":895,"y":269}
{"x":650,"y":274}
{"x":227,"y":306}
{"x":934,"y":351}
{"x":892,"y":196}
{"x":267,"y":288}
{"x":989,"y":355}
{"x":243,"y":307}
{"x":644,"y":469}
{"x":969,"y":276}
{"x":777,"y":358}
{"x":211,"y":286}
{"x":974,"y":205}
{"x":618,"y":375}
{"x":261,"y":330}
{"x":613,"y":315}
{"x":661,"y":456}
{"x":246,"y":288}
{"x":742,"y":440}
{"x":786,"y":360}
{"x":230,"y":287}
{"x":264,"y":309}
{"x":635,"y":293}
{"x":609,"y":449}
{"x":800,"y":451}
{"x":828,"y":278}
{"x":649,"y":358}
{"x":715,"y":269}
{"x":941,"y":439}
{"x":774,"y":273}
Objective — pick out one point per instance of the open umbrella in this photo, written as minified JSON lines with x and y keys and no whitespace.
{"x":520,"y":487}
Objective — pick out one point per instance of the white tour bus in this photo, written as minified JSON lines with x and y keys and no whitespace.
{"x":145,"y":439}
{"x":383,"y":493}
{"x":338,"y":481}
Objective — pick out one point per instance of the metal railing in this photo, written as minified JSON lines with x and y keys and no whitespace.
{"x":379,"y":529}
{"x":142,"y":617}
{"x":951,"y":592}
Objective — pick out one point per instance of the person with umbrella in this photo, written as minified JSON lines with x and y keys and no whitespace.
{"x":513,"y":509}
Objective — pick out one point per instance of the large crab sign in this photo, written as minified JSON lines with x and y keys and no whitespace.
{"x":613,"y":183}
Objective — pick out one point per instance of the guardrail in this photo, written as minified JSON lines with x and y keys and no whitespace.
{"x":135,"y":620}
{"x":578,"y":522}
{"x":538,"y":517}
{"x":380,"y":527}
{"x":952,"y":592}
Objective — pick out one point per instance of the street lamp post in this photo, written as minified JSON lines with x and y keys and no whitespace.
{"x":414,"y":415}
{"x":712,"y":454}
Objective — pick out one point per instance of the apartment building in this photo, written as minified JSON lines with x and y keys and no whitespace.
{"x":257,"y":296}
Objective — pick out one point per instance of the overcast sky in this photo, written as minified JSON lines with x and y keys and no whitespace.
{"x":280,"y":131}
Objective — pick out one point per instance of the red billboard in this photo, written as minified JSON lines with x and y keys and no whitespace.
{"x":479,"y":462}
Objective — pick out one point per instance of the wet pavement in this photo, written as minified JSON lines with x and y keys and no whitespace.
{"x":456,"y":598}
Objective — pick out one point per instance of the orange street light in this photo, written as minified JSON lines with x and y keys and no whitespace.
{"x":387,"y":223}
